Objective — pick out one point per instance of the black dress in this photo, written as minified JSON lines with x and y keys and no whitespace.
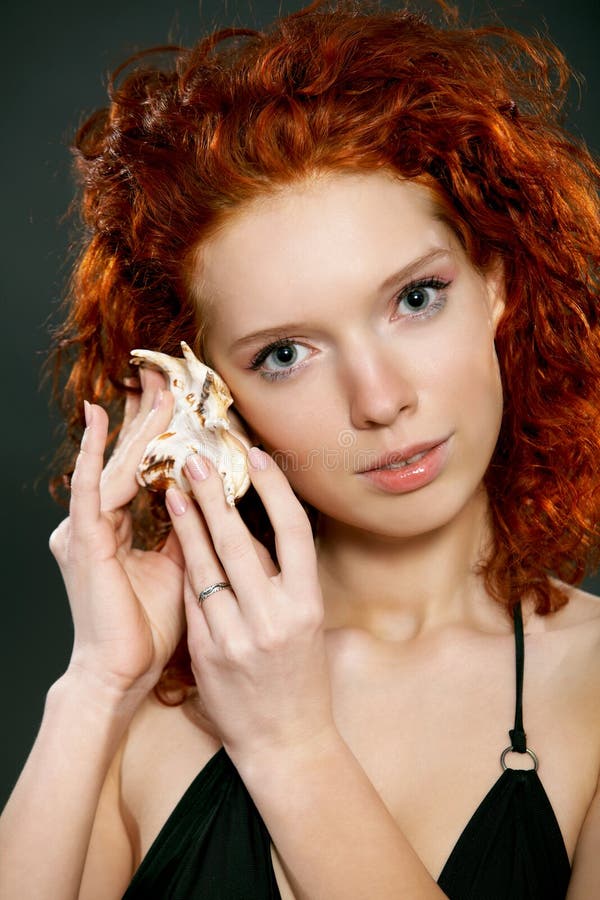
{"x":215,"y":844}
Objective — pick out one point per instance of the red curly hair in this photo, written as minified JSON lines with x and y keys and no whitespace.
{"x":474,"y":114}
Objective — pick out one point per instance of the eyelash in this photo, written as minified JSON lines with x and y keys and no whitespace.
{"x":260,"y":357}
{"x":432,"y":309}
{"x":437,"y":284}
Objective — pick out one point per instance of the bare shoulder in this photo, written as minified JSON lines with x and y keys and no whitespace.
{"x":582,"y":608}
{"x":578,"y":628}
{"x":579,"y":617}
{"x":565,"y":647}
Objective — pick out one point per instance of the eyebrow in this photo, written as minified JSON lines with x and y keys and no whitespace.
{"x":392,"y":281}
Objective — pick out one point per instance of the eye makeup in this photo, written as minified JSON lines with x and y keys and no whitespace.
{"x":430,"y":289}
{"x":266,"y":351}
{"x":418,"y":288}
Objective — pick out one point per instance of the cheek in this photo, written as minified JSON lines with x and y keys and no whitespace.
{"x":476,"y":393}
{"x":473,"y":378}
{"x":305,"y":438}
{"x":283,"y":428}
{"x":469,"y":354}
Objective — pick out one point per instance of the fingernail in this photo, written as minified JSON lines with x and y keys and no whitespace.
{"x":176,"y":501}
{"x":157,"y":399}
{"x":87,"y":411}
{"x":197,"y":467}
{"x":258,"y":458}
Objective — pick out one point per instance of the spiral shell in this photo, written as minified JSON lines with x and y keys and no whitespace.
{"x":200,"y":424}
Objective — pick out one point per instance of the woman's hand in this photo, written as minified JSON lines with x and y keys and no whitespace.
{"x":127,"y":604}
{"x":257,"y":648}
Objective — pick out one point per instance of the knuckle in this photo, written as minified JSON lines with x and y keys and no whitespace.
{"x":315,"y":616}
{"x":311,"y":615}
{"x":269,"y":637}
{"x":236,"y":650}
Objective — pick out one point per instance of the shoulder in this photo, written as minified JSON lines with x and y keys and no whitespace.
{"x":578,"y":617}
{"x":563,"y":656}
{"x":564,"y":647}
{"x":569,"y":639}
{"x":581,"y":619}
{"x":583,"y":607}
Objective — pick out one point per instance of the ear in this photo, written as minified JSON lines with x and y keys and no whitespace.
{"x":495,"y":284}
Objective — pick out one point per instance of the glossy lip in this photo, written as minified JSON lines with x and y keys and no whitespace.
{"x":399,"y":455}
{"x":413,"y":476}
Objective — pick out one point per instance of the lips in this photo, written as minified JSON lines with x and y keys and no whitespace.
{"x":403,"y":455}
{"x":395,"y":475}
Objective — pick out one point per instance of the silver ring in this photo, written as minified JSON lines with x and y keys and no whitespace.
{"x":212,"y":589}
{"x":512,"y":750}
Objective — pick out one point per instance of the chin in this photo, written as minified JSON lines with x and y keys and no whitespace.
{"x":407,"y":516}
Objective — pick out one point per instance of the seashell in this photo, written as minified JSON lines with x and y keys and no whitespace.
{"x":200,"y":424}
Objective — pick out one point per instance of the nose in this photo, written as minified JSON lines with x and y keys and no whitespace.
{"x":378,"y":386}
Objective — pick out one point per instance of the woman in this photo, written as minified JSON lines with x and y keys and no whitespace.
{"x":376,"y":232}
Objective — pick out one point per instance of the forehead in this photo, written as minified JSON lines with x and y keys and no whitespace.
{"x":330,"y":233}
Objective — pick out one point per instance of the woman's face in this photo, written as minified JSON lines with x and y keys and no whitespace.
{"x":349,"y":324}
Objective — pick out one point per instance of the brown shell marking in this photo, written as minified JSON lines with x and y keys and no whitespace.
{"x":199,"y":424}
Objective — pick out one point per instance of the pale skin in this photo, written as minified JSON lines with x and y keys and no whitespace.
{"x":381,"y":624}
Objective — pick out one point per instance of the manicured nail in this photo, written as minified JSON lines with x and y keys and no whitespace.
{"x":157,"y":399}
{"x":87,"y":411}
{"x":258,"y":458}
{"x":176,"y":501}
{"x":197,"y":467}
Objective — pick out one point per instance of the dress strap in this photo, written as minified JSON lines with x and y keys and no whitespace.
{"x":517,"y":734}
{"x":518,"y":738}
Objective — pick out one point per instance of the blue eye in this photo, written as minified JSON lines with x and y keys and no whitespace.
{"x":282,"y":356}
{"x":285,"y":355}
{"x":422,"y":298}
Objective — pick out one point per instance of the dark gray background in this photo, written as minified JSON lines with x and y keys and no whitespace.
{"x":55,"y":59}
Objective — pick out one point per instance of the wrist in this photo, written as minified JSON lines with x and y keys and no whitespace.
{"x":101,"y":697}
{"x":288,"y":760}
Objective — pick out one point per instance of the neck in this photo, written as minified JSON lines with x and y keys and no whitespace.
{"x":396,"y":589}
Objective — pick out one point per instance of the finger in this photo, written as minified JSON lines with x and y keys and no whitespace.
{"x":200,"y":638}
{"x":119,"y":484}
{"x":202,"y":566}
{"x":230,"y":536}
{"x":294,"y":540}
{"x":270,"y":568}
{"x":172,"y":549}
{"x":139,"y":405}
{"x":152,"y":383}
{"x":85,"y":484}
{"x":131,"y":408}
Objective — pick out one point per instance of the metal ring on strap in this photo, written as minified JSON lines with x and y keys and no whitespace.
{"x":512,"y":750}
